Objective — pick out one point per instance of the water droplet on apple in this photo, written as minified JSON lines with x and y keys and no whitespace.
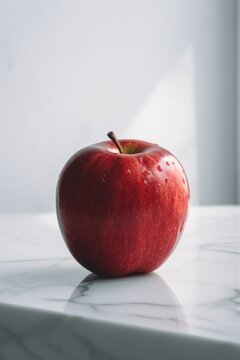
{"x":145,"y":181}
{"x":167,"y":163}
{"x":166,"y":181}
{"x":129,"y":171}
{"x":141,"y":160}
{"x":173,"y":162}
{"x":146,"y":173}
{"x":159,"y":168}
{"x":183,"y":180}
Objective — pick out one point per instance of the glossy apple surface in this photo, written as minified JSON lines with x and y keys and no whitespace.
{"x":122,"y":213}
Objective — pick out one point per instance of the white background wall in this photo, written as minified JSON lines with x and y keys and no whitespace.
{"x":160,"y":70}
{"x":238,"y":96}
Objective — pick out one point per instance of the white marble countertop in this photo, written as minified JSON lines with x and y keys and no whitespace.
{"x":52,"y":308}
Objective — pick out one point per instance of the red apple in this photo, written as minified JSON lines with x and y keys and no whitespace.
{"x":122,"y":206}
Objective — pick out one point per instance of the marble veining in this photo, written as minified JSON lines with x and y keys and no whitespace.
{"x":195,"y":294}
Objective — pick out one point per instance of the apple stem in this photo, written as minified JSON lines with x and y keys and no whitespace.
{"x":112,"y":136}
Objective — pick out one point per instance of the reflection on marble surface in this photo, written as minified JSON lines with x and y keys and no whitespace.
{"x":195,"y":294}
{"x":128,"y":299}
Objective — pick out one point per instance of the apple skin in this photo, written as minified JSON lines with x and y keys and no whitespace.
{"x":122,"y":213}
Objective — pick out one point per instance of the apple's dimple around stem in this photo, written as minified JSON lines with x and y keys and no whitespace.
{"x":112,"y":136}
